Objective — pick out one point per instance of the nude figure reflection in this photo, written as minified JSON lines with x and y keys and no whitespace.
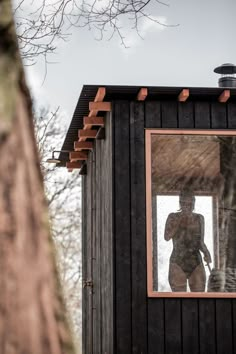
{"x":186,"y":229}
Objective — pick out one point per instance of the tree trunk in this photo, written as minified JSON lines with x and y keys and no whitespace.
{"x":32,"y":313}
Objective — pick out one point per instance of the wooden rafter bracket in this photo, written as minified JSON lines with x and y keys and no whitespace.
{"x":142,"y":94}
{"x":87,"y":134}
{"x":101,"y":93}
{"x":74,"y":165}
{"x":78,"y":155}
{"x":90,"y":122}
{"x":100,"y":106}
{"x":224,"y":96}
{"x":184,"y":95}
{"x":83,"y":145}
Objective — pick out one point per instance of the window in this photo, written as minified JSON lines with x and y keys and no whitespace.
{"x":191,"y":213}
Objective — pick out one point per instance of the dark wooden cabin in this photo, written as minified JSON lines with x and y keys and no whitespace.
{"x":107,"y":143}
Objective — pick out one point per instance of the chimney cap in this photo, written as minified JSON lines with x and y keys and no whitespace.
{"x":226,"y":69}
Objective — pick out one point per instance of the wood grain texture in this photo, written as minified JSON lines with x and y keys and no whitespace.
{"x":169,"y":114}
{"x":173,"y":335}
{"x":138,"y":229}
{"x":156,"y":326}
{"x":122,"y":237}
{"x":218,"y":116}
{"x":231,"y":115}
{"x":83,"y":145}
{"x":186,"y":115}
{"x":202,"y":115}
{"x":224,"y":327}
{"x":207,"y":326}
{"x":190,"y":326}
{"x":107,"y":277}
{"x":152,"y":114}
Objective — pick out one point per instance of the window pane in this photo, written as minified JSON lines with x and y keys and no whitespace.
{"x":193,"y":213}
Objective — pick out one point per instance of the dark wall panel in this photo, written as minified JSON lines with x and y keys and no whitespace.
{"x":186,"y":115}
{"x":190,"y":330}
{"x":138,"y":229}
{"x":231,"y":116}
{"x":96,"y":259}
{"x":156,"y":326}
{"x":202,"y":115}
{"x":173,"y":335}
{"x":122,"y":228}
{"x":218,"y":116}
{"x":233,"y":316}
{"x":224,"y":328}
{"x":98,"y":329}
{"x":87,"y":262}
{"x":169,"y":115}
{"x":106,"y":262}
{"x":207,"y":326}
{"x":152,"y":114}
{"x":84,"y":267}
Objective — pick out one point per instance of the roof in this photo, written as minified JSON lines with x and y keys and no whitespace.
{"x":130,"y":93}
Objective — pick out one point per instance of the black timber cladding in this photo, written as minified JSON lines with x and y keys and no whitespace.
{"x":97,"y":248}
{"x":141,"y":324}
{"x":163,"y":326}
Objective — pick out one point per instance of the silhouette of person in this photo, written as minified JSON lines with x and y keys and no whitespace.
{"x":186,"y":229}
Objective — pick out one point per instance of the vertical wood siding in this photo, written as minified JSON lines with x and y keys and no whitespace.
{"x":120,"y":318}
{"x":155,"y":325}
{"x":122,"y":229}
{"x":98,"y":330}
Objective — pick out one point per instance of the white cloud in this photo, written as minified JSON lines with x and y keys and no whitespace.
{"x":146,"y":26}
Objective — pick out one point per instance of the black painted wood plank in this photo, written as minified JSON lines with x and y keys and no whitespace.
{"x":218,"y":115}
{"x":202,"y":115}
{"x":152,"y":114}
{"x":173,"y":325}
{"x":138,"y":229}
{"x":232,"y":115}
{"x":84,"y":263}
{"x":186,"y":115}
{"x":207,"y":330}
{"x":87,"y":292}
{"x":190,"y":333}
{"x":156,"y":330}
{"x":234,"y":324}
{"x":169,"y":114}
{"x":107,"y":242}
{"x":122,"y":227}
{"x":224,"y":328}
{"x":97,"y":332}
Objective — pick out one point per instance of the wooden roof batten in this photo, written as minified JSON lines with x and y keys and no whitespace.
{"x":91,"y":127}
{"x":224,"y":96}
{"x":142,"y":94}
{"x":184,"y":95}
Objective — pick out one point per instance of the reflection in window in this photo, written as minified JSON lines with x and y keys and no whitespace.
{"x":166,"y":204}
{"x":193,"y":202}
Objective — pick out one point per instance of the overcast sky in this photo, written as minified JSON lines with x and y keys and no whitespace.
{"x":167,"y":56}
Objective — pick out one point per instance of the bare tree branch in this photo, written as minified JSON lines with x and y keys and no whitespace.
{"x":40,"y":25}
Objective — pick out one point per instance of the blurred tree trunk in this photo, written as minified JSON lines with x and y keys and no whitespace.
{"x":32,"y":314}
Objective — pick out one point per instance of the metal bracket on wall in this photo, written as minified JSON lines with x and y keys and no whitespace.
{"x":87,"y":283}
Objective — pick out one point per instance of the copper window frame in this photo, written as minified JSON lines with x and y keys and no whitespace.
{"x":150,"y":291}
